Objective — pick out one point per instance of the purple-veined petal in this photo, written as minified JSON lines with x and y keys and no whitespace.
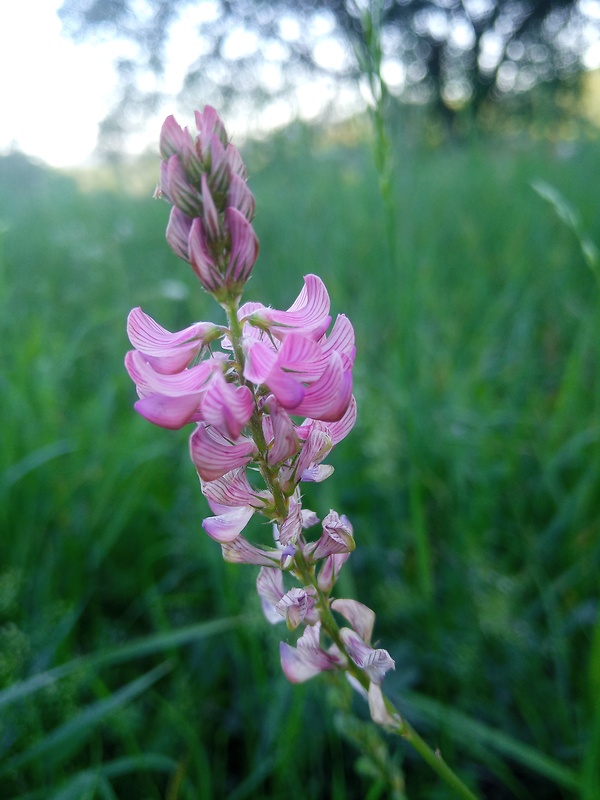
{"x":172,"y":137}
{"x":169,"y":412}
{"x":233,"y":489}
{"x":361,"y":617}
{"x":302,"y":356}
{"x":336,"y":538}
{"x":178,"y":233}
{"x":209,"y":124}
{"x":341,"y":338}
{"x":167,"y":352}
{"x":309,"y":313}
{"x":329,"y":397}
{"x":235,"y":163}
{"x":226,"y":527}
{"x":241,"y":551}
{"x":260,"y":360}
{"x":295,"y":606}
{"x":317,"y":473}
{"x":201,"y":258}
{"x":340,"y":429}
{"x":291,"y":528}
{"x":286,"y":388}
{"x":307,"y":659}
{"x":285,"y":442}
{"x":227,"y":406}
{"x":210,"y":215}
{"x":219,"y":170}
{"x":374,"y":663}
{"x":213,"y":455}
{"x":180,"y":190}
{"x":330,"y":570}
{"x":241,"y":197}
{"x":269,"y":585}
{"x":148,"y":381}
{"x":244,"y":246}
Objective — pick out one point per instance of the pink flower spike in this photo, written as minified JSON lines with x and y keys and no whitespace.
{"x":244,"y":246}
{"x":374,"y":663}
{"x":178,"y":233}
{"x":227,"y":406}
{"x":214,"y":456}
{"x":361,"y":617}
{"x":307,"y":659}
{"x":167,"y":352}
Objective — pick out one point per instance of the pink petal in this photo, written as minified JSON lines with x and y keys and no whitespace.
{"x":307,"y":659}
{"x":227,"y":406}
{"x":179,"y":188}
{"x":214,"y":456}
{"x":340,"y":429}
{"x":244,"y":246}
{"x":226,"y":527}
{"x":285,"y":442}
{"x":166,"y":352}
{"x":178,"y":232}
{"x":149,"y":381}
{"x":210,"y":215}
{"x":241,"y":551}
{"x":329,"y":397}
{"x":260,"y":360}
{"x":374,"y":663}
{"x":308,"y":313}
{"x":361,"y":617}
{"x":231,"y":490}
{"x":241,"y":197}
{"x":201,"y":258}
{"x":330,"y":570}
{"x":172,"y":137}
{"x":269,"y":585}
{"x":169,"y":412}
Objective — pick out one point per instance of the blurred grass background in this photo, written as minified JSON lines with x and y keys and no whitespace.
{"x":135,"y":663}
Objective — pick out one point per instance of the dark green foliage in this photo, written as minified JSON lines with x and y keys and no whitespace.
{"x":472,"y":479}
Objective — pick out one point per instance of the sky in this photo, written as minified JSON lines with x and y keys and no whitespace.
{"x":53,"y":93}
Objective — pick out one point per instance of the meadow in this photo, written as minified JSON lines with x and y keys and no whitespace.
{"x":136,"y":664}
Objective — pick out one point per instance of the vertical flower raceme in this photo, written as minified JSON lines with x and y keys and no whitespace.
{"x":210,"y":226}
{"x":269,"y":394}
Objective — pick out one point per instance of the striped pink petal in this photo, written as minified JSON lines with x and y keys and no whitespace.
{"x":226,"y":527}
{"x":213,"y":455}
{"x":227,"y":406}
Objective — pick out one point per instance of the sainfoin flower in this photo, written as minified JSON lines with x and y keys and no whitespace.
{"x":269,"y":394}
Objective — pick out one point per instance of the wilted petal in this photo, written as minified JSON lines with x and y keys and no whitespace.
{"x":291,"y":528}
{"x":361,"y":617}
{"x":231,"y":490}
{"x":269,"y":585}
{"x":241,"y":551}
{"x":213,"y":455}
{"x":374,"y":663}
{"x":380,"y":714}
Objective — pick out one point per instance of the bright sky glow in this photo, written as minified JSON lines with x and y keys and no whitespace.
{"x":53,"y":93}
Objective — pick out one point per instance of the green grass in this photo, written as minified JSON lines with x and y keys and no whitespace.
{"x":134,"y":663}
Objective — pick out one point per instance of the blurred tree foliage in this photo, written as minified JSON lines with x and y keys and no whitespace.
{"x":452,"y":54}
